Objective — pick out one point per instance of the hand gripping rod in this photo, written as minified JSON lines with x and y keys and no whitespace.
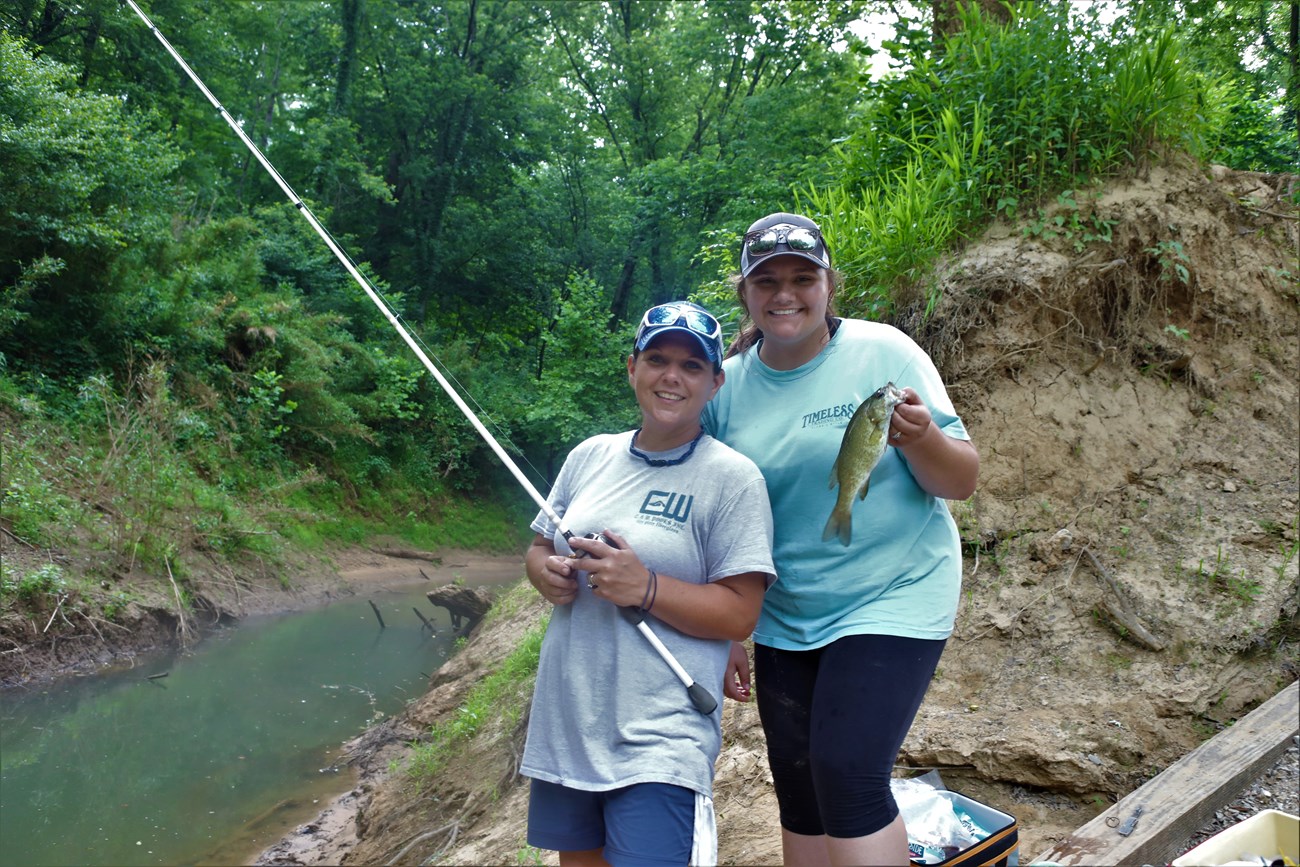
{"x":700,"y":697}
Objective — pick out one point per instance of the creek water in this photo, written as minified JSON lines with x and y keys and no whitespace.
{"x":220,"y":758}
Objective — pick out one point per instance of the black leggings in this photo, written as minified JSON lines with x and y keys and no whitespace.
{"x":835,"y":718}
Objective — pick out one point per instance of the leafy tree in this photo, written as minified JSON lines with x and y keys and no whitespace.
{"x":687,"y":105}
{"x":444,"y":96}
{"x":580,"y":387}
{"x":85,"y":183}
{"x":1252,"y":49}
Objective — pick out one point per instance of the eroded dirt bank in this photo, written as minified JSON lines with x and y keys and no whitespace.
{"x":63,"y":641}
{"x":1131,"y":574}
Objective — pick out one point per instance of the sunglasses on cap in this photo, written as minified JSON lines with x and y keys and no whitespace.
{"x":678,"y":313}
{"x":683,"y":315}
{"x":797,"y":239}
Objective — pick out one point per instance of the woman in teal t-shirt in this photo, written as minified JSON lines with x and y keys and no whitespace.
{"x":852,"y":631}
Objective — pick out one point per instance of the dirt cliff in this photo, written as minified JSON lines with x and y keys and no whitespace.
{"x":1127,"y":361}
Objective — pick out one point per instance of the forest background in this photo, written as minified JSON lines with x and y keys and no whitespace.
{"x":191,"y":385}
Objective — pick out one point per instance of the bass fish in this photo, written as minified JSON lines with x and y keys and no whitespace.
{"x":861,"y":449}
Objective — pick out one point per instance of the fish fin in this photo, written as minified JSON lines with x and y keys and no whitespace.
{"x":862,"y":491}
{"x":838,"y":526}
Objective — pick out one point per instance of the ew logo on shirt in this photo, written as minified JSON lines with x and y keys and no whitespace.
{"x":666,"y":508}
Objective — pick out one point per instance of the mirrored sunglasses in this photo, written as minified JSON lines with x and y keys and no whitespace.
{"x":691,"y":317}
{"x":798,"y":239}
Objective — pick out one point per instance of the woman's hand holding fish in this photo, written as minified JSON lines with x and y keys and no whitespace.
{"x":945,"y":467}
{"x":911,"y":420}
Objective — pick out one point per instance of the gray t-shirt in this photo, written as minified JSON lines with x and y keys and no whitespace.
{"x":608,"y":711}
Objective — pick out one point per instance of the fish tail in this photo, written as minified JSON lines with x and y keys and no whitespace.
{"x":840,"y":524}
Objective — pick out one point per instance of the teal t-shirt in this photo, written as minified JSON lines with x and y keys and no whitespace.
{"x":901,"y":574}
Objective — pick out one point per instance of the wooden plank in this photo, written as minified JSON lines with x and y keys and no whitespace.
{"x":1182,"y":799}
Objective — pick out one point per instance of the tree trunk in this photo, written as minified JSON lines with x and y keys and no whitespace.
{"x":947,"y":18}
{"x":351,"y":21}
{"x":618,"y":306}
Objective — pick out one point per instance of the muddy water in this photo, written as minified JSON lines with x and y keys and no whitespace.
{"x":122,"y":769}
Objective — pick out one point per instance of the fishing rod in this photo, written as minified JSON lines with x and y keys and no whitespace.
{"x":700,"y":697}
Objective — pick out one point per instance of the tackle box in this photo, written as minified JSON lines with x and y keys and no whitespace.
{"x":1001,"y":846}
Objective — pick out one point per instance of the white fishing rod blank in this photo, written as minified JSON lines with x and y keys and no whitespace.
{"x":705,"y":703}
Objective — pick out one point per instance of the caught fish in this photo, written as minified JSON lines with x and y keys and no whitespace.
{"x":860,"y":450}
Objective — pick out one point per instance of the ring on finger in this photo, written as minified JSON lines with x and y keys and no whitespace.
{"x":898,"y":435}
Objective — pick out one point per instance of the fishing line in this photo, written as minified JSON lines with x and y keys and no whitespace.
{"x":700,"y":697}
{"x":343,"y":257}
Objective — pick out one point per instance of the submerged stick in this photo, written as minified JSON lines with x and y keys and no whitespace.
{"x":377,"y":614}
{"x":423,"y":619}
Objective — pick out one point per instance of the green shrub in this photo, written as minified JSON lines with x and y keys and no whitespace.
{"x":501,"y":695}
{"x":45,"y":580}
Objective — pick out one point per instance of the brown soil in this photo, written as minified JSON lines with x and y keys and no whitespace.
{"x":1136,"y":408}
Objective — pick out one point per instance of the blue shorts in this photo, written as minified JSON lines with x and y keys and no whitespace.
{"x":643,"y":824}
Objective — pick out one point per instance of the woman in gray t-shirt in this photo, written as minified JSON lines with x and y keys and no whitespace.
{"x":621,"y":761}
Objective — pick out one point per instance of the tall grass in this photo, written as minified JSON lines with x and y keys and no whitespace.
{"x":1003,"y":119}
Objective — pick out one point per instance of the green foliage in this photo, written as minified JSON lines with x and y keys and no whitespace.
{"x":580,"y":387}
{"x":1219,"y":576}
{"x":1069,"y":221}
{"x":1243,"y":48}
{"x":1003,"y":118}
{"x":35,"y":456}
{"x":1173,"y":261}
{"x":885,"y":237}
{"x":45,"y":580}
{"x":84,"y":180}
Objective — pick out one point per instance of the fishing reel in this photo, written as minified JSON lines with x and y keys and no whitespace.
{"x":579,"y":554}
